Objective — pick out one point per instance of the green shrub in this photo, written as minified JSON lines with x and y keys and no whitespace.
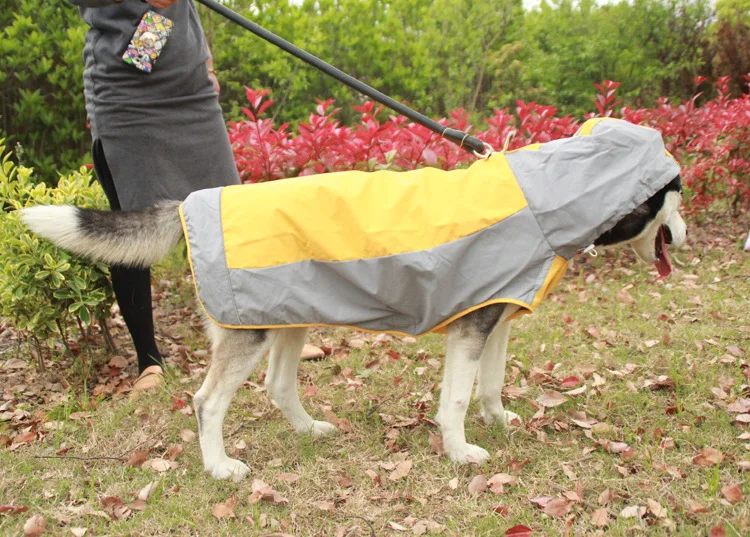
{"x":44,"y":291}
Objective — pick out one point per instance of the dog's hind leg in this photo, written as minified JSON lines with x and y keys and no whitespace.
{"x":467,"y":337}
{"x":235,"y":355}
{"x":281,"y":382}
{"x":492,"y":374}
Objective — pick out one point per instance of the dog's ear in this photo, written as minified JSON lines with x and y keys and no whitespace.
{"x":633,"y":224}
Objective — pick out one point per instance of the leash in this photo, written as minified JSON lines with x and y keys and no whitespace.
{"x":471,"y":144}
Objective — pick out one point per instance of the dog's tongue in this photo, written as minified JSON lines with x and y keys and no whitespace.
{"x":662,"y":264}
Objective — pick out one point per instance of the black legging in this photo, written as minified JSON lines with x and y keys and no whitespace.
{"x":132,"y":286}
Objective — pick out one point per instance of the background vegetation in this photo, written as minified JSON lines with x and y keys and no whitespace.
{"x":436,"y":55}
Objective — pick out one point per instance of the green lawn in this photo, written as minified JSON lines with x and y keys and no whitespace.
{"x":665,"y":370}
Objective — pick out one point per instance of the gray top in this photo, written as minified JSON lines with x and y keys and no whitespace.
{"x":162,"y":132}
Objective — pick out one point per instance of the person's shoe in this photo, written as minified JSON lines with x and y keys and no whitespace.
{"x":150,"y":378}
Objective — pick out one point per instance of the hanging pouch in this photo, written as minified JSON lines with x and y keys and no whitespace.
{"x":148,"y":41}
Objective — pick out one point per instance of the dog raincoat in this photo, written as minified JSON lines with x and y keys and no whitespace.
{"x":409,"y":252}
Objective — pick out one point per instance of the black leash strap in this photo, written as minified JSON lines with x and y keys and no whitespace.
{"x":469,"y":143}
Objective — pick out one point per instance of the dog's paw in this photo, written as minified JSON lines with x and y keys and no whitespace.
{"x":319,"y":429}
{"x":468,"y":453}
{"x":229,"y":468}
{"x":495,"y":413}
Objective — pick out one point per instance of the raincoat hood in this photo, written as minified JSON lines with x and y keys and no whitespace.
{"x":409,"y":252}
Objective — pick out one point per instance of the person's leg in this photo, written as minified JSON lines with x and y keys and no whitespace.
{"x":132,"y":286}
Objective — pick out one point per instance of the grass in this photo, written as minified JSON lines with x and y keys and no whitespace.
{"x":692,"y":328}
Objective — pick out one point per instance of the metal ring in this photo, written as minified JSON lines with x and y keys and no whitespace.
{"x":488,"y":151}
{"x":508,"y":138}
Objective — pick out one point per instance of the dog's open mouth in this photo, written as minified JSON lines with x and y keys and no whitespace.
{"x":663,"y":238}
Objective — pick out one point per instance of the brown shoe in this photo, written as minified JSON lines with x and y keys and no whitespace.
{"x":150,"y":378}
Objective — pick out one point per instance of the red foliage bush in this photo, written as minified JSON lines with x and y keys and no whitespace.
{"x":711,"y":141}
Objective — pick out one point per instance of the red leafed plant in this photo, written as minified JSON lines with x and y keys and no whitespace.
{"x":711,"y":141}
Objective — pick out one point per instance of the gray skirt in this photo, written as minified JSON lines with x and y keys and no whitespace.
{"x":166,"y":152}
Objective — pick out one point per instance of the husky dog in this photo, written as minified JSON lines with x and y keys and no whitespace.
{"x":476,"y":344}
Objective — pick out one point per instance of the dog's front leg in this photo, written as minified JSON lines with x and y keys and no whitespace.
{"x":466,"y":340}
{"x":235,"y":354}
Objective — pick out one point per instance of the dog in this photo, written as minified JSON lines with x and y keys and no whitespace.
{"x":637,"y":204}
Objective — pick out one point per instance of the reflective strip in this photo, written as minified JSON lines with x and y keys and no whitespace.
{"x":358,"y":215}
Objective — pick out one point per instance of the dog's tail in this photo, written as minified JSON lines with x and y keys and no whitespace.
{"x":137,"y":238}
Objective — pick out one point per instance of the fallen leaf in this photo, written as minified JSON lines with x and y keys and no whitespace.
{"x":733,"y":493}
{"x":477,"y":485}
{"x":402,"y":470}
{"x":453,"y":483}
{"x":325,"y":506}
{"x":518,"y":531}
{"x":557,"y":507}
{"x":137,"y":458}
{"x":717,"y":531}
{"x":288,"y":477}
{"x":551,"y":398}
{"x":436,"y":443}
{"x":118,"y":362}
{"x":633,"y":511}
{"x":656,"y":509}
{"x":502,"y":510}
{"x":187,"y":435}
{"x":600,"y":517}
{"x":78,"y":532}
{"x":161,"y":465}
{"x":310,"y":390}
{"x":146,"y":492}
{"x":696,"y":508}
{"x":605,"y":497}
{"x":13,"y":509}
{"x":396,"y":526}
{"x":35,"y":526}
{"x":708,"y":457}
{"x":225,"y":509}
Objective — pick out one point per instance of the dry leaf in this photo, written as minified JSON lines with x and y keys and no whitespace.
{"x":605,"y":497}
{"x":310,"y":390}
{"x":35,"y":526}
{"x":557,"y":507}
{"x":453,"y":483}
{"x":187,"y":435}
{"x":518,"y":531}
{"x":717,"y":531}
{"x":696,"y":508}
{"x":633,"y":511}
{"x":137,"y":458}
{"x":656,"y":509}
{"x":502,"y":510}
{"x":288,"y":477}
{"x":708,"y":457}
{"x":78,"y":532}
{"x":732,"y":493}
{"x":226,"y":509}
{"x":118,"y":362}
{"x":477,"y":485}
{"x":551,"y":398}
{"x":162,"y":465}
{"x":402,"y":470}
{"x":600,"y":517}
{"x":146,"y":492}
{"x":397,"y":527}
{"x":325,"y":506}
{"x":436,"y":443}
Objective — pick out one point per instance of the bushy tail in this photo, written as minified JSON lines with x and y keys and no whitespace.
{"x":137,"y":238}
